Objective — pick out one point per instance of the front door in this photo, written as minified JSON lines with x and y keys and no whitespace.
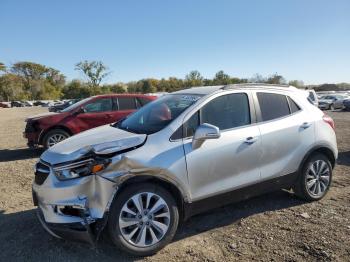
{"x":96,"y":113}
{"x":231,"y":161}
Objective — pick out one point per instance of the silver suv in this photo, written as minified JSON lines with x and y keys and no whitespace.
{"x":182,"y":154}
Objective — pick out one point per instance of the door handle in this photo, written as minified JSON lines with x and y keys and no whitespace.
{"x":250,"y":140}
{"x":305,"y":125}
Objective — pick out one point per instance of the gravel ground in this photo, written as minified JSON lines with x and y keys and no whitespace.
{"x":273,"y":227}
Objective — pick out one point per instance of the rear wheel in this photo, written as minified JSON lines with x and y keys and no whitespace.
{"x":332,"y":107}
{"x":53,"y":137}
{"x":143,"y":219}
{"x":315,"y":178}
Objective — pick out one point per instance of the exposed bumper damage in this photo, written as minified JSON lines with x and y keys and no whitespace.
{"x":77,"y":209}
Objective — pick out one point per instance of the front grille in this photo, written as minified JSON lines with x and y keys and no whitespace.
{"x":42,"y":171}
{"x":31,"y":127}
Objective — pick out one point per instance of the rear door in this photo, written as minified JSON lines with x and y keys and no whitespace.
{"x":96,"y":113}
{"x":126,"y":106}
{"x":231,"y":161}
{"x":286,"y":130}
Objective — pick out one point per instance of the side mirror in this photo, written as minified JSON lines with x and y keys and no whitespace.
{"x":81,"y":110}
{"x":204,"y":132}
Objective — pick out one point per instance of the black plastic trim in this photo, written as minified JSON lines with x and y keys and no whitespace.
{"x":285,"y":181}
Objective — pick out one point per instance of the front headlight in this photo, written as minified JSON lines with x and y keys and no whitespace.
{"x":80,"y":168}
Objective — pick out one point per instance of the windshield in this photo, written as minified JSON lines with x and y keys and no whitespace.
{"x":158,"y":114}
{"x":76,"y":105}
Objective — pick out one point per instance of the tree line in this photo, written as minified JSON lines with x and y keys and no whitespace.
{"x":32,"y":81}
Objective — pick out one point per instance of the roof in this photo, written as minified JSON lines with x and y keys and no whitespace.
{"x":205,"y":90}
{"x":200,"y":90}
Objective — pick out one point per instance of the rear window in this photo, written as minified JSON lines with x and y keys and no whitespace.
{"x":272,"y":106}
{"x":143,"y":101}
{"x":293,"y":106}
{"x":126,"y":103}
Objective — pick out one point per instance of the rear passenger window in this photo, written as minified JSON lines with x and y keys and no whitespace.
{"x":272,"y":106}
{"x":143,"y":100}
{"x":126,"y":103}
{"x":293,"y":106}
{"x":227,"y":111}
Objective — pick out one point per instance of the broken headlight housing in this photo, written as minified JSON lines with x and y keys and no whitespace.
{"x":80,"y":168}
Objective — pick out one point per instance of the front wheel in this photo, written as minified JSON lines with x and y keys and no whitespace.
{"x":315,"y":178}
{"x":53,"y":137}
{"x":143,"y":219}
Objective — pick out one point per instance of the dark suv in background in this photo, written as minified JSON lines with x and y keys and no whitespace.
{"x":50,"y":128}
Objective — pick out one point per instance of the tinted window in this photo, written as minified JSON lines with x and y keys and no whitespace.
{"x":272,"y":106}
{"x":158,"y":114}
{"x":126,"y":103}
{"x":227,"y":111}
{"x":143,"y":100}
{"x":293,"y":106}
{"x":99,"y":105}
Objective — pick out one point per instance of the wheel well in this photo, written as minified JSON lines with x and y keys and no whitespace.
{"x":327,"y":152}
{"x":173,"y":190}
{"x":52,"y":128}
{"x":322,"y":150}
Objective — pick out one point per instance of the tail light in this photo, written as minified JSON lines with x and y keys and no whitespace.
{"x":329,"y":121}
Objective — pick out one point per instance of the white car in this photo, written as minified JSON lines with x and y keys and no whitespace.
{"x":180,"y":155}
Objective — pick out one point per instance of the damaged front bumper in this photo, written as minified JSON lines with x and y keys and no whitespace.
{"x":71,"y":231}
{"x":75,"y":209}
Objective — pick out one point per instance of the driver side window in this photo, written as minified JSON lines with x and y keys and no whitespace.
{"x":99,"y":105}
{"x":225,"y":112}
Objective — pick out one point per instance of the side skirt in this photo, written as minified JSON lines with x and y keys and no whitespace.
{"x":286,"y":181}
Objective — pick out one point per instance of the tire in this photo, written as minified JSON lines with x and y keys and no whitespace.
{"x":331,"y":107}
{"x":50,"y":136}
{"x":314,"y":170}
{"x":119,"y":232}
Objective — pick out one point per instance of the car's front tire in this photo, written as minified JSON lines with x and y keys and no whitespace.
{"x":53,"y":137}
{"x":143,"y":219}
{"x":315,"y":178}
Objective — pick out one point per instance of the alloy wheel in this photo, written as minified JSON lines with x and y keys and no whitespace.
{"x":144,"y":219}
{"x":54,"y":139}
{"x":317,"y":178}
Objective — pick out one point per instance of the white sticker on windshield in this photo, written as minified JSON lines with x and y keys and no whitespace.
{"x":190,"y":98}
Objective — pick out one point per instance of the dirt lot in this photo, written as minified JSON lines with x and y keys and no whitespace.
{"x":273,"y":227}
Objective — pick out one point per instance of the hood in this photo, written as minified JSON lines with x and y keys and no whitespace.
{"x":101,"y":140}
{"x":43,"y":115}
{"x":325,"y":101}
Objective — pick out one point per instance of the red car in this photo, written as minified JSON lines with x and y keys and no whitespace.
{"x":50,"y":128}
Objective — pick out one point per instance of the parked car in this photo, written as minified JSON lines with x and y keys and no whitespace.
{"x":312,"y":97}
{"x":51,"y":128}
{"x":5,"y":104}
{"x":62,"y":105}
{"x":331,"y":102}
{"x":17,"y":104}
{"x":346,"y":104}
{"x":38,"y":103}
{"x":27,"y":103}
{"x":184,"y":153}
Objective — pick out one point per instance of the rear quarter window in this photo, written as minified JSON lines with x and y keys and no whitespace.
{"x":273,"y":106}
{"x":126,"y":103}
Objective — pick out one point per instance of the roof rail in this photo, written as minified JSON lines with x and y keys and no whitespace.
{"x":232,"y":86}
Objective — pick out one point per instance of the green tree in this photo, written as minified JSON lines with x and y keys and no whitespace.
{"x":194,"y":78}
{"x":95,"y":71}
{"x":2,"y":67}
{"x":221,"y":78}
{"x":75,"y":89}
{"x":11,"y":88}
{"x":296,"y":83}
{"x":36,"y":79}
{"x":257,"y":78}
{"x":276,"y":79}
